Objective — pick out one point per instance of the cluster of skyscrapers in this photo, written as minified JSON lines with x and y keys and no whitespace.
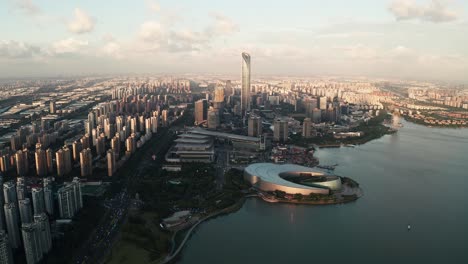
{"x":25,"y":218}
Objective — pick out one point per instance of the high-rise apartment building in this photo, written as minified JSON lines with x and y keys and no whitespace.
{"x":38,"y":200}
{"x":86,"y":162}
{"x":32,"y":242}
{"x":25,"y":211}
{"x":12,"y":220}
{"x":6,"y":254}
{"x":45,"y":237}
{"x":110,"y":162}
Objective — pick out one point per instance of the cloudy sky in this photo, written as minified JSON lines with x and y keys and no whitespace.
{"x":408,"y":39}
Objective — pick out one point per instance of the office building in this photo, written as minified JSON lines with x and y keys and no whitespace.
{"x":20,"y":189}
{"x":245,"y":91}
{"x":12,"y":220}
{"x":38,"y":200}
{"x":213,"y":118}
{"x":307,"y":128}
{"x":322,"y":101}
{"x":218,"y":94}
{"x":25,"y":210}
{"x":317,"y":116}
{"x":32,"y":243}
{"x":254,"y":126}
{"x":281,"y":131}
{"x":201,"y":111}
{"x":6,"y":254}
{"x":86,"y":162}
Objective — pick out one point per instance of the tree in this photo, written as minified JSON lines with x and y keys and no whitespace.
{"x":298,"y":196}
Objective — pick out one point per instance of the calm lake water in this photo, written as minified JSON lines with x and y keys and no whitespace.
{"x":418,"y":176}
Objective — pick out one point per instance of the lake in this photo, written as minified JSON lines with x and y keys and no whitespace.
{"x":418,"y":176}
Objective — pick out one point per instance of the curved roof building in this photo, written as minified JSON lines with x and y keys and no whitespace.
{"x":290,"y":178}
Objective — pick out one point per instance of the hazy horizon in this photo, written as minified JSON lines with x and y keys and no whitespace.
{"x":400,"y":39}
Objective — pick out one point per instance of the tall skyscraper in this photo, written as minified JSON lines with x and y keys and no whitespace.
{"x":254,"y":126}
{"x":38,"y":200}
{"x":32,"y":242}
{"x":281,"y":131}
{"x":20,"y":190}
{"x":201,"y":111}
{"x":115,"y":146}
{"x":165,"y":118}
{"x":25,"y":211}
{"x":86,"y":162}
{"x":6,"y":254}
{"x":245,"y":92}
{"x":12,"y":220}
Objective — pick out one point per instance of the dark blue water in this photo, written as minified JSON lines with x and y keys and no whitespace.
{"x":418,"y":176}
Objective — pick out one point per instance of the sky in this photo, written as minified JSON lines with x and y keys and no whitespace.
{"x":404,"y":39}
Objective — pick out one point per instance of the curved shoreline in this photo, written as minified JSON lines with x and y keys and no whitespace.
{"x":235,"y":207}
{"x":227,"y":210}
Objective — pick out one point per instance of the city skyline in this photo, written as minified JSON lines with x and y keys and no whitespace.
{"x":397,"y":39}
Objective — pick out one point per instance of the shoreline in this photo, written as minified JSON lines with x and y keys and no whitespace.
{"x":175,"y":252}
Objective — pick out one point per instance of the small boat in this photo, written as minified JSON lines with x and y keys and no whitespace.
{"x":409,"y":227}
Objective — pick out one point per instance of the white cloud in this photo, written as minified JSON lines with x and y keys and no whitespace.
{"x":345,"y":35}
{"x":151,"y":31}
{"x":153,"y":6}
{"x":222,"y":25}
{"x":69,"y":45}
{"x":81,"y":23}
{"x":435,"y":11}
{"x":112,"y":49}
{"x":27,"y":6}
{"x":15,"y":49}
